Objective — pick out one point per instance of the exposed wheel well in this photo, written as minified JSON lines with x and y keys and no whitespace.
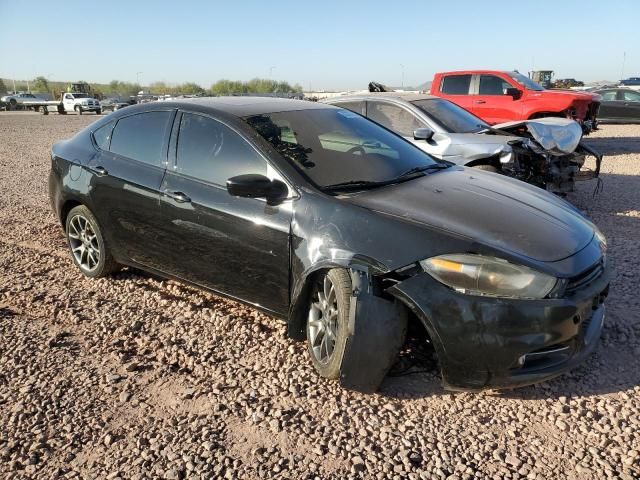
{"x":296,"y":327}
{"x":493,"y":161}
{"x":66,"y":208}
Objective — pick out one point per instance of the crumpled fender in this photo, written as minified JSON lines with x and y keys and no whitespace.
{"x":377,"y":329}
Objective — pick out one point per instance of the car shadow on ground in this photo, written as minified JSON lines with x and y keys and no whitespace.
{"x":614,"y":145}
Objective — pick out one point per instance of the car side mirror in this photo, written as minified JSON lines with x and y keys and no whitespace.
{"x":253,"y":185}
{"x":513,"y":92}
{"x":424,"y":133}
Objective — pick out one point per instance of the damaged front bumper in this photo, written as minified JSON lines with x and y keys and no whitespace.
{"x":484,"y":342}
{"x":549,"y":153}
{"x":554,"y":173}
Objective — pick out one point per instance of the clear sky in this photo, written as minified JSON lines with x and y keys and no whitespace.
{"x":322,"y":45}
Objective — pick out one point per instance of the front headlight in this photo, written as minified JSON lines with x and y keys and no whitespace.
{"x":489,"y":276}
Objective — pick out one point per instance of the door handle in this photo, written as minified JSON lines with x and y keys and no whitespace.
{"x":99,"y":171}
{"x":177,"y":196}
{"x":479,"y":101}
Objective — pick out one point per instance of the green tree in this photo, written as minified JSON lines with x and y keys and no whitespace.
{"x":3,"y":88}
{"x":41,"y":84}
{"x":190,"y":88}
{"x":255,"y":85}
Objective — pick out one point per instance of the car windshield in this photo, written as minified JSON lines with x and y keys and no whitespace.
{"x":80,"y":95}
{"x":333,"y":147}
{"x":449,"y":116}
{"x":526,"y":82}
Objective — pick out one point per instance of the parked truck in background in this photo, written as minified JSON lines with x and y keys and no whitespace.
{"x":504,"y":96}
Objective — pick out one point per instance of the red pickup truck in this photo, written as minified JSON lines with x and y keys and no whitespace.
{"x":499,"y":97}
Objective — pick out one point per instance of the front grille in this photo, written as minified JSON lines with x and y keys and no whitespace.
{"x":585,"y":278}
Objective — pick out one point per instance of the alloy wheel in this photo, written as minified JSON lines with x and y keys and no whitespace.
{"x":84,"y":243}
{"x":323,"y":320}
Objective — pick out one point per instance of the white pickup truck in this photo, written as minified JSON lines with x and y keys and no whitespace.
{"x":69,"y":102}
{"x":80,"y":103}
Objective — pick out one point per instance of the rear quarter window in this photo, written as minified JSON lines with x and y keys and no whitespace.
{"x":141,"y":137}
{"x":102,"y":136}
{"x":456,"y":84}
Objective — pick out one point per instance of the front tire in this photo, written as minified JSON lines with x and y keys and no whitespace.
{"x":99,"y":111}
{"x":327,"y":321}
{"x":78,"y":109}
{"x":89,"y":250}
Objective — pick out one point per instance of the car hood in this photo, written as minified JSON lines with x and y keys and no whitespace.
{"x":490,"y":209}
{"x":558,"y":136}
{"x":462,"y":148}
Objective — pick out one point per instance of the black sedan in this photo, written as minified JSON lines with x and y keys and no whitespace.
{"x":619,"y":105}
{"x":113,"y":104}
{"x":276,"y":204}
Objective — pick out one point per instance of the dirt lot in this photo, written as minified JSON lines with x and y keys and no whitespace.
{"x":134,"y":377}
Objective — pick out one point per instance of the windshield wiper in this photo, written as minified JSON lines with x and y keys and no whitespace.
{"x":422,"y":168}
{"x":353,"y":185}
{"x":364,"y":184}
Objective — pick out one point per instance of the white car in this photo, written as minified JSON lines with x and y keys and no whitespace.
{"x":80,"y":103}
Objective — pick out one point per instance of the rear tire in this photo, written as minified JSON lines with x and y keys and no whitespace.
{"x":327,"y":321}
{"x":486,"y":168}
{"x":87,"y":245}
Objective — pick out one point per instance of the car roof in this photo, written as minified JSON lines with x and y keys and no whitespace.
{"x":247,"y":106}
{"x":408,"y":96}
{"x":475,"y":72}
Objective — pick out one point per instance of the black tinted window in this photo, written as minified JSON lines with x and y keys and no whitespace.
{"x":492,"y":85}
{"x":449,"y":116}
{"x":102,"y":136}
{"x":456,"y":84}
{"x":394,"y":118}
{"x":353,"y":106}
{"x":141,"y":136}
{"x":211,"y":151}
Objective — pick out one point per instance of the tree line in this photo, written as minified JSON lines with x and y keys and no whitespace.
{"x":118,"y":87}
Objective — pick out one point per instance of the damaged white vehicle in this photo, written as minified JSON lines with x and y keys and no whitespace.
{"x":546,"y":152}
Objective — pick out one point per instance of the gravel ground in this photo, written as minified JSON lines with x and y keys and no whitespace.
{"x":136,"y":377}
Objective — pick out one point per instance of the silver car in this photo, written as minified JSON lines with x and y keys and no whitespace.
{"x":12,"y":101}
{"x":545,"y":152}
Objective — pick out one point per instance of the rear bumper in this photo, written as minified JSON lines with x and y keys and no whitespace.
{"x":484,"y":342}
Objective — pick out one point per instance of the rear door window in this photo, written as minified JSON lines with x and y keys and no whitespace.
{"x":210,"y":151}
{"x":141,"y":137}
{"x":456,"y":84}
{"x":357,"y":107}
{"x":393,"y":117}
{"x":631,"y":96}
